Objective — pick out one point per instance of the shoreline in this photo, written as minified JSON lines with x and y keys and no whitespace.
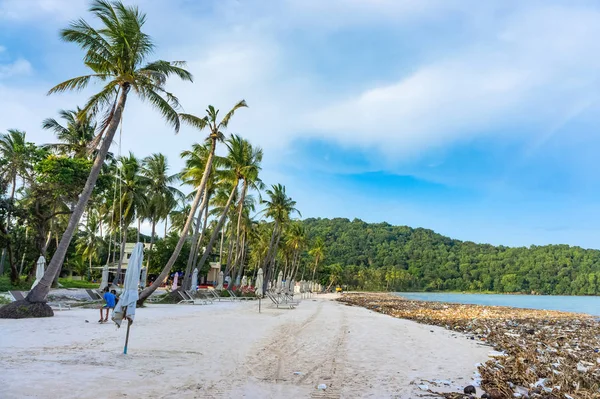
{"x":539,"y":353}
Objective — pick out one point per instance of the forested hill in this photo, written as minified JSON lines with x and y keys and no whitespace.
{"x":382,"y":256}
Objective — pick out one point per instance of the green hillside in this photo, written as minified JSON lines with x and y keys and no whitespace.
{"x":382,"y":256}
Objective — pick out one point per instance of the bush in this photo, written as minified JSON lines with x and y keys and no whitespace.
{"x":67,"y":283}
{"x":5,"y":285}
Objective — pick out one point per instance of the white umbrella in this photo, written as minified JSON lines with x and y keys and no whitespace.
{"x":195,"y":280}
{"x":291,"y":286}
{"x":143,"y":278}
{"x":104,"y":282}
{"x":39,"y":271}
{"x":258,"y":287}
{"x":237,"y":281}
{"x":244,"y":282}
{"x":249,"y":283}
{"x":175,"y":281}
{"x":125,"y":308}
{"x":279,"y":281}
{"x":220,"y":282}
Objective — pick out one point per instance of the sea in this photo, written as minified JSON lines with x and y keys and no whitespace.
{"x":577,"y":304}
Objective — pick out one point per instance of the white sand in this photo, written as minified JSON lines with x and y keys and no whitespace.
{"x":229,"y":350}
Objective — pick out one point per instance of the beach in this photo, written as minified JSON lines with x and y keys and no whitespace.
{"x":229,"y":350}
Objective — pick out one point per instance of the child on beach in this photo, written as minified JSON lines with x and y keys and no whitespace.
{"x":110,"y":300}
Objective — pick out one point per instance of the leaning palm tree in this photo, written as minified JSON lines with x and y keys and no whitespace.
{"x":209,"y":121}
{"x":76,"y":135}
{"x":116,"y":55}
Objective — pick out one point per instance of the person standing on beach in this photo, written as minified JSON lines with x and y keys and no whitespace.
{"x":110,"y":300}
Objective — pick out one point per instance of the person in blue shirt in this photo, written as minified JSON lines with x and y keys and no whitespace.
{"x":110,"y":300}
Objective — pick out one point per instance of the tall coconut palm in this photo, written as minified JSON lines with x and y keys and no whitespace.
{"x":278,"y":207}
{"x":296,"y":241}
{"x":318,"y":252}
{"x":161,"y":193}
{"x":116,"y":56}
{"x":244,"y":162}
{"x":15,"y":153}
{"x":209,"y":121}
{"x":89,"y":242}
{"x":76,"y":135}
{"x":133,"y":190}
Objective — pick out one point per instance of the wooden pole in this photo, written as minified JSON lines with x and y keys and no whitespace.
{"x":258,"y":304}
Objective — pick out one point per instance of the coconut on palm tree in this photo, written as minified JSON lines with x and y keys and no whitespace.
{"x":116,"y":54}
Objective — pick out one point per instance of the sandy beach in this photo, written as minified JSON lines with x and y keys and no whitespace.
{"x":229,"y":350}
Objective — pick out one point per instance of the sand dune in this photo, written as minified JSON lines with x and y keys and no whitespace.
{"x":229,"y":350}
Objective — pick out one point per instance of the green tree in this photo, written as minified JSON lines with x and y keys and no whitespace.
{"x":116,"y":55}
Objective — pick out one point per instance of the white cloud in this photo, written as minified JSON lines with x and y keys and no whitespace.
{"x":541,"y":64}
{"x":19,"y":67}
{"x":27,"y":10}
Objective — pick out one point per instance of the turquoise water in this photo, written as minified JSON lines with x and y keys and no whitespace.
{"x":578,"y":304}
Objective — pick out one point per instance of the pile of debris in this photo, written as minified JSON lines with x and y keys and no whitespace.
{"x":538,"y":353}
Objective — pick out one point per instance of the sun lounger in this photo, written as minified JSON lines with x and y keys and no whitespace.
{"x":205,"y":296}
{"x":59,"y":306}
{"x":184,"y":298}
{"x":94,"y":295}
{"x":278,"y":300}
{"x":238,"y":298}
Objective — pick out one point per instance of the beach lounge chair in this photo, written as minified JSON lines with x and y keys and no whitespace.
{"x":205,"y":296}
{"x":184,"y":298}
{"x":59,"y":306}
{"x":94,"y":295}
{"x":278,"y":300}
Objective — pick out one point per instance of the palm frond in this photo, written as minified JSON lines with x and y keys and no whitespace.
{"x":77,"y":83}
{"x":194,"y":121}
{"x":227,"y":117}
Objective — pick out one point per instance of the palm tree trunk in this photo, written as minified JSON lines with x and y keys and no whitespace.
{"x":187,"y":278}
{"x":215,"y":233}
{"x":138,"y":232}
{"x":117,"y":280}
{"x":40,"y":291}
{"x":149,"y":290}
{"x":196,"y":258}
{"x":166,"y":223}
{"x":151,"y":242}
{"x":12,"y":196}
{"x":315,"y":268}
{"x":239,"y":221}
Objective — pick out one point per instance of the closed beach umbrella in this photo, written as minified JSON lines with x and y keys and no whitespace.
{"x":220,"y":281}
{"x":39,"y":270}
{"x":258,"y":286}
{"x":104,"y":282}
{"x":291,"y":286}
{"x":125,"y":308}
{"x":144,"y":277}
{"x":175,"y":281}
{"x":279,"y":282}
{"x":244,"y":282}
{"x":195,"y":280}
{"x":237,"y":281}
{"x":249,"y":282}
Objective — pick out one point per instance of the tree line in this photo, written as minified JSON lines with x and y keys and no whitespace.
{"x":379,"y":256}
{"x":77,"y":203}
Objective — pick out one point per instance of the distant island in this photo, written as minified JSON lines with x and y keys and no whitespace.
{"x":379,"y":256}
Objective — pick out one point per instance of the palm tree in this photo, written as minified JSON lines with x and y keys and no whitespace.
{"x":279,"y":207}
{"x":296,"y":241}
{"x":115,"y":54}
{"x":244,"y":162}
{"x":89,"y":243}
{"x":133,"y":190}
{"x":15,"y":153}
{"x":216,"y":127}
{"x":160,"y":192}
{"x":317,"y":252}
{"x":76,"y":136}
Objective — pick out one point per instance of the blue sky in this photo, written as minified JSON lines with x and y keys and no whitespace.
{"x":476,"y":119}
